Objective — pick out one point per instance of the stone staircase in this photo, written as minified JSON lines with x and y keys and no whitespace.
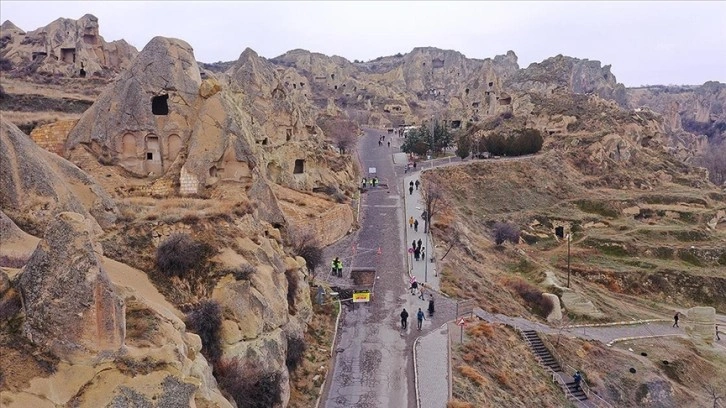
{"x":547,"y":360}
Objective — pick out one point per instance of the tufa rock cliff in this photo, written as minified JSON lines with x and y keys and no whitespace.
{"x":65,"y":46}
{"x":70,"y":306}
{"x":35,"y":185}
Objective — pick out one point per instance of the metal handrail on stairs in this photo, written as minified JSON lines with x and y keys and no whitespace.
{"x":555,"y":376}
{"x":583,"y":385}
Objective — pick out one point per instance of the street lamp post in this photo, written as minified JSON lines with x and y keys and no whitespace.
{"x":426,"y":263}
{"x":569,"y":238}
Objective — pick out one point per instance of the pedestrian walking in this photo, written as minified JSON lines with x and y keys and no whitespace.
{"x":414,"y":286}
{"x":375,"y":181}
{"x":578,"y":379}
{"x":718,"y":338}
{"x":420,"y":317}
{"x":416,"y":253}
{"x":415,"y":225}
{"x":404,"y":319}
{"x":417,"y":184}
{"x":423,"y":254}
{"x":364,"y":181}
{"x":421,"y":291}
{"x":431,"y":304}
{"x":419,"y":243}
{"x":380,"y":143}
{"x":389,"y":144}
{"x":413,"y":245}
{"x":414,"y":165}
{"x":675,"y":319}
{"x":410,"y":190}
{"x":410,"y":183}
{"x":410,"y":222}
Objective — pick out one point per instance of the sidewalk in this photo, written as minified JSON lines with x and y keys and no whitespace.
{"x":432,"y":361}
{"x":424,"y":270}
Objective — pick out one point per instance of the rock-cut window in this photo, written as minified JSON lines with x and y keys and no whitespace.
{"x":160,"y":105}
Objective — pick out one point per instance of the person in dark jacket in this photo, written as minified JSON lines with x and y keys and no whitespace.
{"x":404,"y":319}
{"x":431,"y":305}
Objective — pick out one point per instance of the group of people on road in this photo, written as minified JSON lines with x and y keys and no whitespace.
{"x":421,"y":288}
{"x":383,"y":139}
{"x":337,"y":267}
{"x":419,"y":252}
{"x":413,"y":223}
{"x":675,"y":324}
{"x":411,"y":185}
{"x":420,"y":317}
{"x":371,"y":182}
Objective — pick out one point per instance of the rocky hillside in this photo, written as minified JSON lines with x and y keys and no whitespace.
{"x":66,"y":47}
{"x":687,"y":110}
{"x":211,"y":180}
{"x":413,"y":87}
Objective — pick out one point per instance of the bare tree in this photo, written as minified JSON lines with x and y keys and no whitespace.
{"x":305,"y":244}
{"x":714,"y":159}
{"x":432,"y":195}
{"x":342,"y":131}
{"x":714,"y":394}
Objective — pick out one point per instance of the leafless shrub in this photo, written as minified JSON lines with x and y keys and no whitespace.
{"x":503,"y":231}
{"x":295,"y":352}
{"x":532,"y":296}
{"x":205,"y":319}
{"x":306,"y":245}
{"x":248,"y":385}
{"x":181,"y":256}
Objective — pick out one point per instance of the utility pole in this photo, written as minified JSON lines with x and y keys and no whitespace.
{"x":426,"y":262}
{"x":569,"y":238}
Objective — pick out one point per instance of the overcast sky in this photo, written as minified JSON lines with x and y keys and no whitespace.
{"x":645,"y":42}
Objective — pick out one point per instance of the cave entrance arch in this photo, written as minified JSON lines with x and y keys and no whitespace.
{"x":299,"y":166}
{"x":174,"y":146}
{"x":128,"y":146}
{"x":152,"y":164}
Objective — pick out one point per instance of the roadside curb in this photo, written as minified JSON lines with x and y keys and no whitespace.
{"x":332,"y":349}
{"x":609,"y":344}
{"x":625,"y":323}
{"x":415,"y":373}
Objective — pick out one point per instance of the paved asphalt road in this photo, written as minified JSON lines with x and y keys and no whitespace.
{"x":372,"y":362}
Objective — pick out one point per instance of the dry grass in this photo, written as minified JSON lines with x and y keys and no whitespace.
{"x":81,"y":90}
{"x":40,"y":117}
{"x":495,"y":368}
{"x":316,"y":362}
{"x":606,"y":370}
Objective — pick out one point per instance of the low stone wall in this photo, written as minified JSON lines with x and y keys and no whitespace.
{"x":52,"y":137}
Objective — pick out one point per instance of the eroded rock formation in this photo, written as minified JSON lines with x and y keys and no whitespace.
{"x":65,"y":46}
{"x":70,"y":306}
{"x":36,"y":184}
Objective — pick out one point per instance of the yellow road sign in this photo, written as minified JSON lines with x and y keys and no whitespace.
{"x":361,"y":296}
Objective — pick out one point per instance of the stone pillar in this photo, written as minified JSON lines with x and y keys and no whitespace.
{"x":556,"y":313}
{"x":701,"y":324}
